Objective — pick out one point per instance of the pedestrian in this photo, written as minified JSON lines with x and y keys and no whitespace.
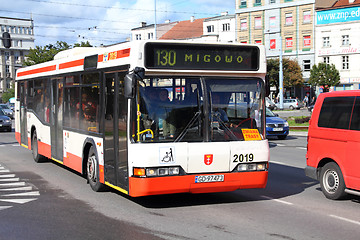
{"x":306,"y":100}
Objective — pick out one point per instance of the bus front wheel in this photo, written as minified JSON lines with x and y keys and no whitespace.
{"x":34,"y":148}
{"x":92,"y":171}
{"x":332,"y":182}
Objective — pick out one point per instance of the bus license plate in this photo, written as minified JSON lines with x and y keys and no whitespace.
{"x":277,"y":129}
{"x":209,"y":178}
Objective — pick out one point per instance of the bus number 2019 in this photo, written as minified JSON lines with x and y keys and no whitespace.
{"x":166,"y":57}
{"x":243,"y":158}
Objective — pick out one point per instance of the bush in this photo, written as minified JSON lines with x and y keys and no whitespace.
{"x":302,"y":119}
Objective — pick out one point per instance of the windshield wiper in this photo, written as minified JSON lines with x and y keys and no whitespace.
{"x":186,"y":129}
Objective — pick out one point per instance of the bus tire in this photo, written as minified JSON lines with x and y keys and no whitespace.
{"x":92,"y":171}
{"x":332,"y":182}
{"x":35,"y":150}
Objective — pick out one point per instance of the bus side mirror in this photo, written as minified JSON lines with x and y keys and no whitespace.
{"x":130,"y":82}
{"x":267,"y":86}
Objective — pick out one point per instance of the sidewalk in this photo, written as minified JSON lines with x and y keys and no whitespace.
{"x":298,"y":133}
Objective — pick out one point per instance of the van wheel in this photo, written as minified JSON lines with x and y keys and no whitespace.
{"x":332,"y":181}
{"x":34,"y":148}
{"x":92,"y":171}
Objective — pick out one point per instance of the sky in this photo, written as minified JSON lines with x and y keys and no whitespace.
{"x":107,"y":21}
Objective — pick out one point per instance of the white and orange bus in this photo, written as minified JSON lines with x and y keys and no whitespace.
{"x":150,"y":117}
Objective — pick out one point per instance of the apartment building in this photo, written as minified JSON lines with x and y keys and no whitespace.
{"x":22,"y":39}
{"x":337,"y":34}
{"x":283,"y":26}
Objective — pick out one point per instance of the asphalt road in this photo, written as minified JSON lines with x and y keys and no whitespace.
{"x":48,"y":201}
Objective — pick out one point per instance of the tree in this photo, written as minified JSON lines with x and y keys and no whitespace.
{"x":9,"y":94}
{"x":43,"y":54}
{"x":292,"y":76}
{"x":324,"y":75}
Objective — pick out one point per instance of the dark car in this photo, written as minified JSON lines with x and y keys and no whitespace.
{"x":7,"y":110}
{"x":5,"y":121}
{"x":276,"y":126}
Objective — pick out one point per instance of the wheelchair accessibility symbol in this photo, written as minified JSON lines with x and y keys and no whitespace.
{"x":166,"y":155}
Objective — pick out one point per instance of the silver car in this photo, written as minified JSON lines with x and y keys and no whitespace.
{"x":5,"y":121}
{"x":291,"y":104}
{"x":7,"y":110}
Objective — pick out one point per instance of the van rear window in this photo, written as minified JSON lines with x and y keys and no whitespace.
{"x":336,"y":112}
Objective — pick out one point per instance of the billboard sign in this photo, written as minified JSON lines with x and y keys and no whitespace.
{"x":338,"y":15}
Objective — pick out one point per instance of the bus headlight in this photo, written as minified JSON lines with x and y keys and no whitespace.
{"x":156,"y":172}
{"x":251,"y":167}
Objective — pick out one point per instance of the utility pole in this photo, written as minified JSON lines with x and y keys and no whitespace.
{"x":155,"y":19}
{"x":281,"y":75}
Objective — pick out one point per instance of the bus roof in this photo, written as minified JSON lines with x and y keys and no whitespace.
{"x":128,"y":53}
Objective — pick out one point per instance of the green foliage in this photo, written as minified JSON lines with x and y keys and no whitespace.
{"x":9,"y":94}
{"x":46,"y":53}
{"x":324,"y":75}
{"x":292,"y":75}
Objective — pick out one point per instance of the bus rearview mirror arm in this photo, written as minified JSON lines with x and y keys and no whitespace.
{"x":131,"y":80}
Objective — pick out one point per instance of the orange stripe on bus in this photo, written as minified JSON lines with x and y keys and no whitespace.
{"x":75,"y":63}
{"x":37,"y":70}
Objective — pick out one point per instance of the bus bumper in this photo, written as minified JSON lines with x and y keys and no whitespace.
{"x":182,"y":184}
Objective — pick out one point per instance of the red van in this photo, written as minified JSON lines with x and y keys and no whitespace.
{"x":333,"y":149}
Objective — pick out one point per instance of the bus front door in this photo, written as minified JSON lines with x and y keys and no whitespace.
{"x":116,"y":166}
{"x":23,"y":122}
{"x":56,"y":119}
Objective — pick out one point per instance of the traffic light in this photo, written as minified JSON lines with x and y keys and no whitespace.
{"x":6,"y":39}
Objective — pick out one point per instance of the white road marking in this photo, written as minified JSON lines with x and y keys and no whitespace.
{"x":33,"y":193}
{"x":345,"y":219}
{"x":9,"y":179}
{"x":4,"y":207}
{"x":7,"y":176}
{"x":29,"y":188}
{"x":277,"y":200}
{"x":17,"y":184}
{"x":302,"y":148}
{"x":20,"y":201}
{"x":4,"y":171}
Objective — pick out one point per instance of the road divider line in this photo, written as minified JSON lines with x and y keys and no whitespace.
{"x":9,"y":179}
{"x":7,"y":176}
{"x":345,"y":219}
{"x":277,"y":200}
{"x":33,"y":193}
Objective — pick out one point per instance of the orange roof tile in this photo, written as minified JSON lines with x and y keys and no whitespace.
{"x":185,"y":30}
{"x":345,"y":3}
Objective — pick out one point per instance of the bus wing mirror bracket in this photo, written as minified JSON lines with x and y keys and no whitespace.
{"x":131,"y":80}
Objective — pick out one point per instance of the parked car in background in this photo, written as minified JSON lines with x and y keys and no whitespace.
{"x":290,"y":104}
{"x":276,"y":126}
{"x":7,"y":110}
{"x":5,"y":122}
{"x":11,"y":106}
{"x":269,"y":104}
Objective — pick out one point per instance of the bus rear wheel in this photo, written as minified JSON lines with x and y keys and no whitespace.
{"x":332,"y":182}
{"x":92,"y":171}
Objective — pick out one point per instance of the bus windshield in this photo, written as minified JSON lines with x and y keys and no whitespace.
{"x":197,"y":109}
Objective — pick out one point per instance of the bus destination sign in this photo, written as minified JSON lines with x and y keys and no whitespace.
{"x":201,"y":57}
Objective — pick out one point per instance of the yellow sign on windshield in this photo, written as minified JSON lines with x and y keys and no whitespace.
{"x":251,"y":134}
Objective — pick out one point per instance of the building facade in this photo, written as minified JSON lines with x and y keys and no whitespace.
{"x":220,"y":29}
{"x":283,"y":26}
{"x":11,"y":59}
{"x":337,"y":41}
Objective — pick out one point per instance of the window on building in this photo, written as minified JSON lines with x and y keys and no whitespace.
{"x":243,"y":24}
{"x":289,"y":42}
{"x":210,"y":28}
{"x":326,"y":41}
{"x":242,"y":4}
{"x":272,"y":22}
{"x":272,"y":1}
{"x":258,"y":23}
{"x":150,"y":35}
{"x":289,"y":19}
{"x":257,"y":3}
{"x":226,"y":27}
{"x":345,"y":62}
{"x":307,"y":16}
{"x":257,"y":41}
{"x":306,"y":65}
{"x":326,"y":60}
{"x":138,"y":36}
{"x":345,"y":40}
{"x":307,"y":41}
{"x":7,"y":56}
